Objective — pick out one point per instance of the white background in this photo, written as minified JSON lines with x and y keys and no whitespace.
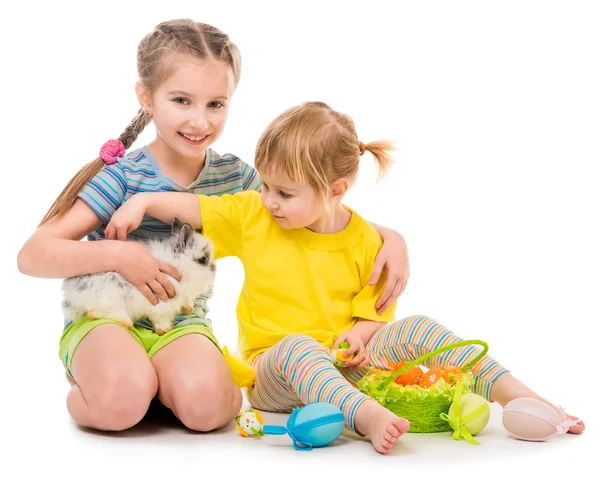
{"x":495,"y":107}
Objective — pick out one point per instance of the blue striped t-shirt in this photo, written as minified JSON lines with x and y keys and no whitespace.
{"x":137,"y":172}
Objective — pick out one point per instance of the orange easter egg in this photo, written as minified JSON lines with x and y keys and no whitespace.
{"x":410,"y":377}
{"x":431,"y":377}
{"x":396,"y":366}
{"x":454,"y":373}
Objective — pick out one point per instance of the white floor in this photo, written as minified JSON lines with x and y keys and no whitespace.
{"x":160,"y":450}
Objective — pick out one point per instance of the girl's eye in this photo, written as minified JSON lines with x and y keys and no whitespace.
{"x":216,"y":104}
{"x":285,"y":195}
{"x":181,"y":101}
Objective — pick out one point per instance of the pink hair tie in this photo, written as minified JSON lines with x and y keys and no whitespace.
{"x":112,"y":150}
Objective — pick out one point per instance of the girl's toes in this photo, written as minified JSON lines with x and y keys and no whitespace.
{"x":389,"y":442}
{"x":576,"y":428}
{"x":391,"y":439}
{"x":386,"y":447}
{"x":392,"y":431}
{"x":402,"y":426}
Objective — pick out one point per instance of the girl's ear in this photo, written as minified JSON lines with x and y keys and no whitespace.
{"x":339,"y":188}
{"x":143,"y":96}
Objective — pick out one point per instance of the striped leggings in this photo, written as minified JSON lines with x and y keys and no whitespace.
{"x":298,"y":370}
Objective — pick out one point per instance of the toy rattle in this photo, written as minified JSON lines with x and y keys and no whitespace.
{"x":250,"y":422}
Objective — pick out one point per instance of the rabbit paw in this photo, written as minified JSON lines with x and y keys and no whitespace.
{"x":162,"y":327}
{"x":95,"y":314}
{"x":188,"y":305}
{"x":121,"y":318}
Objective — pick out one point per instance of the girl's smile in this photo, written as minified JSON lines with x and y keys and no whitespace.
{"x":194,"y":139}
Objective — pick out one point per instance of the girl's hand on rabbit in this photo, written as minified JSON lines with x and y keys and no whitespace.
{"x":126,"y":218}
{"x":146,"y":273}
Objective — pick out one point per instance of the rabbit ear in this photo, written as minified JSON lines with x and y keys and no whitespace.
{"x":185,"y":235}
{"x":176,"y":227}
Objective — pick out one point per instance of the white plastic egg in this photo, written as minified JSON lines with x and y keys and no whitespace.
{"x":532,"y":420}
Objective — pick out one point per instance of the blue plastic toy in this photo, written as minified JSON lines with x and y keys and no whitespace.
{"x":312,"y":426}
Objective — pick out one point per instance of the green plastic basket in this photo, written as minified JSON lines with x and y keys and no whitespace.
{"x":422,"y":407}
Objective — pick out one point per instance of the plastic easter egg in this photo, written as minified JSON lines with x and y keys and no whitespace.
{"x":530,"y":419}
{"x":431,"y":377}
{"x":474,"y":413}
{"x":338,"y":357}
{"x":312,"y":426}
{"x":454,"y":373}
{"x":412,"y":376}
{"x":317,"y":424}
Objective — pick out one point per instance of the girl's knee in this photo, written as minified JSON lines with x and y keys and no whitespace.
{"x":417,"y":319}
{"x":122,"y":400}
{"x":292,"y":342}
{"x":416,"y":322}
{"x":205,"y":403}
{"x":294,"y":350}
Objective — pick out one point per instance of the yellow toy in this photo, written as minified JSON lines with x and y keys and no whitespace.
{"x":242,"y":374}
{"x":250,"y":422}
{"x":338,"y":357}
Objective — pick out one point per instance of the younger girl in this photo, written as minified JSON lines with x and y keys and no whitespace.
{"x":307,"y":260}
{"x":188,"y":72}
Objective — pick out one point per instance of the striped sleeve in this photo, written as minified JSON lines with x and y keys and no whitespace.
{"x":250,"y":178}
{"x":106,"y":191}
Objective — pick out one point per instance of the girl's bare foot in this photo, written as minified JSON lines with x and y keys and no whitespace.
{"x":381,"y":425}
{"x":507,"y":387}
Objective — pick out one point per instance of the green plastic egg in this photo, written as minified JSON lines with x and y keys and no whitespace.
{"x":472,"y":404}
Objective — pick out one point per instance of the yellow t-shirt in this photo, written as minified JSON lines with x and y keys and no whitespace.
{"x":296,"y":280}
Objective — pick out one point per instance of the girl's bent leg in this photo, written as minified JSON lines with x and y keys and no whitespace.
{"x":114,"y":380}
{"x":299,"y":370}
{"x":412,"y":337}
{"x":195,"y":383}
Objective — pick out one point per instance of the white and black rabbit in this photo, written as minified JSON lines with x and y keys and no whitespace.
{"x":109,"y":295}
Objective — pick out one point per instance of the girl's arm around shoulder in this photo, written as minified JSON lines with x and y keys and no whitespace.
{"x":164,"y":206}
{"x":55,"y":249}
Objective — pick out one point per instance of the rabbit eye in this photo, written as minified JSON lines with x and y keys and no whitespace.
{"x":203,"y":260}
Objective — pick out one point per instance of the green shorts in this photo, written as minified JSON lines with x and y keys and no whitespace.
{"x":150,"y":340}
